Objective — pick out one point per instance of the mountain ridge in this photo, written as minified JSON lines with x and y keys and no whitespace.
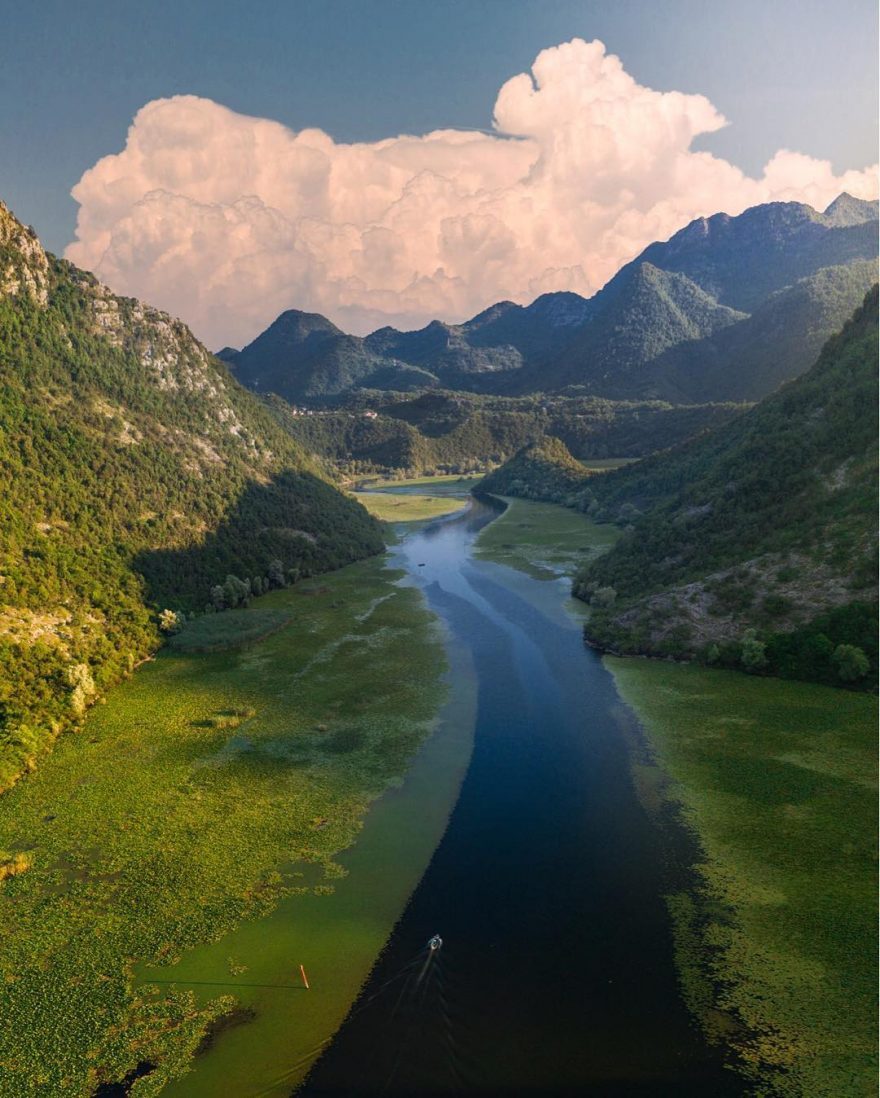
{"x":673,"y":297}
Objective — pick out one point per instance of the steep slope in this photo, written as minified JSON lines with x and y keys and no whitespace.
{"x":751,"y":359}
{"x":645,"y":340}
{"x":303,"y":356}
{"x":649,"y":311}
{"x":488,"y":352}
{"x":766,"y":523}
{"x":137,"y":474}
{"x":741,"y":260}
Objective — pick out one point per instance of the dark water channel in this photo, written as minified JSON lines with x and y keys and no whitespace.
{"x":556,"y":973}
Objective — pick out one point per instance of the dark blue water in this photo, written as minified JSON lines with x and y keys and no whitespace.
{"x":556,"y":973}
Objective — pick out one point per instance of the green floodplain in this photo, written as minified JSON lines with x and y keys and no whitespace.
{"x":412,"y":507}
{"x":542,"y":539}
{"x":776,"y":780}
{"x":210,"y":799}
{"x":238,"y":808}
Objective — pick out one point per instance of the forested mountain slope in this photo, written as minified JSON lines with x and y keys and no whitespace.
{"x":454,"y":432}
{"x":303,"y":356}
{"x":137,"y":474}
{"x":767,"y":523}
{"x":544,"y":471}
{"x":751,"y":359}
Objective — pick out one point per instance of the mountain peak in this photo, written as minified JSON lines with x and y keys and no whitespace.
{"x":24,"y":265}
{"x":846,"y":209}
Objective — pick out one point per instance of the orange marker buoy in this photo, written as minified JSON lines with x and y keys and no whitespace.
{"x":305,"y":978}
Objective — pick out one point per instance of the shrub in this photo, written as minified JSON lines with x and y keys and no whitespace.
{"x":851,"y":662}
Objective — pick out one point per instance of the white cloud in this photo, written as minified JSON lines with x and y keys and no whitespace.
{"x":227,"y":220}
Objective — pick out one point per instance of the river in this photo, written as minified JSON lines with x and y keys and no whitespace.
{"x":556,"y":972}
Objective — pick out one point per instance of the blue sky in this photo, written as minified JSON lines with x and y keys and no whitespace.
{"x":800,"y":75}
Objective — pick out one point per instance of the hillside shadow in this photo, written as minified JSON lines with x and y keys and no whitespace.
{"x":296,"y":518}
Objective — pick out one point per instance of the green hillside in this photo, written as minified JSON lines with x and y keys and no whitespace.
{"x":137,"y":475}
{"x":413,"y":434}
{"x":303,"y":356}
{"x":754,"y":544}
{"x":543,"y":471}
{"x":749,"y":360}
{"x":646,"y":312}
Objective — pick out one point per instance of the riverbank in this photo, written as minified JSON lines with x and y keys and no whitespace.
{"x":207,"y":790}
{"x":777,"y":780}
{"x":556,"y":975}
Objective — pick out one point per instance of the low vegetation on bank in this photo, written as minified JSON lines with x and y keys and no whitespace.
{"x":774,"y":944}
{"x":411,"y":507}
{"x":194,"y":799}
{"x":544,"y":541}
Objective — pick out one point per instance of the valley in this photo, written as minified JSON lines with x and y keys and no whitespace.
{"x":314,"y":651}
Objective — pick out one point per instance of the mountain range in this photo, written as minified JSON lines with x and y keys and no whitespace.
{"x":727,"y":309}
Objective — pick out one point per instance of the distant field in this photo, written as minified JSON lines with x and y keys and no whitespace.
{"x":443,"y":485}
{"x":409,"y":506}
{"x":200,"y":794}
{"x":543,"y":539}
{"x":778,"y":780}
{"x":601,"y":465}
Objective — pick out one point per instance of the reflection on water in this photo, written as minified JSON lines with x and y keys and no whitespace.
{"x":555,"y":975}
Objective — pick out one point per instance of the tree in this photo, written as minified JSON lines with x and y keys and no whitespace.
{"x":170,"y":621}
{"x":236,"y":592}
{"x":276,"y":573}
{"x":752,"y":651}
{"x":218,"y":597}
{"x":79,"y":679}
{"x":604,"y":597}
{"x":851,"y":662}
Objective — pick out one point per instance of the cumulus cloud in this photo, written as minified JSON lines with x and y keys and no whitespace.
{"x":227,"y":220}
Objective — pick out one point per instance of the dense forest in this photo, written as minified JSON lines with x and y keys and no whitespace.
{"x":751,"y":545}
{"x":139,"y":477}
{"x":438,"y":431}
{"x":755,"y":544}
{"x":544,"y":471}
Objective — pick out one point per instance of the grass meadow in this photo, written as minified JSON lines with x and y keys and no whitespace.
{"x":206,"y":790}
{"x":409,"y":507}
{"x":777,"y":943}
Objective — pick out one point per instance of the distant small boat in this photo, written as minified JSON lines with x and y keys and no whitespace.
{"x":422,"y":565}
{"x":435,"y":943}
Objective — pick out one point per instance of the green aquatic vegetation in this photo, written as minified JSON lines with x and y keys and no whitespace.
{"x":229,"y":629}
{"x":777,"y":781}
{"x":542,"y":539}
{"x":182,"y":809}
